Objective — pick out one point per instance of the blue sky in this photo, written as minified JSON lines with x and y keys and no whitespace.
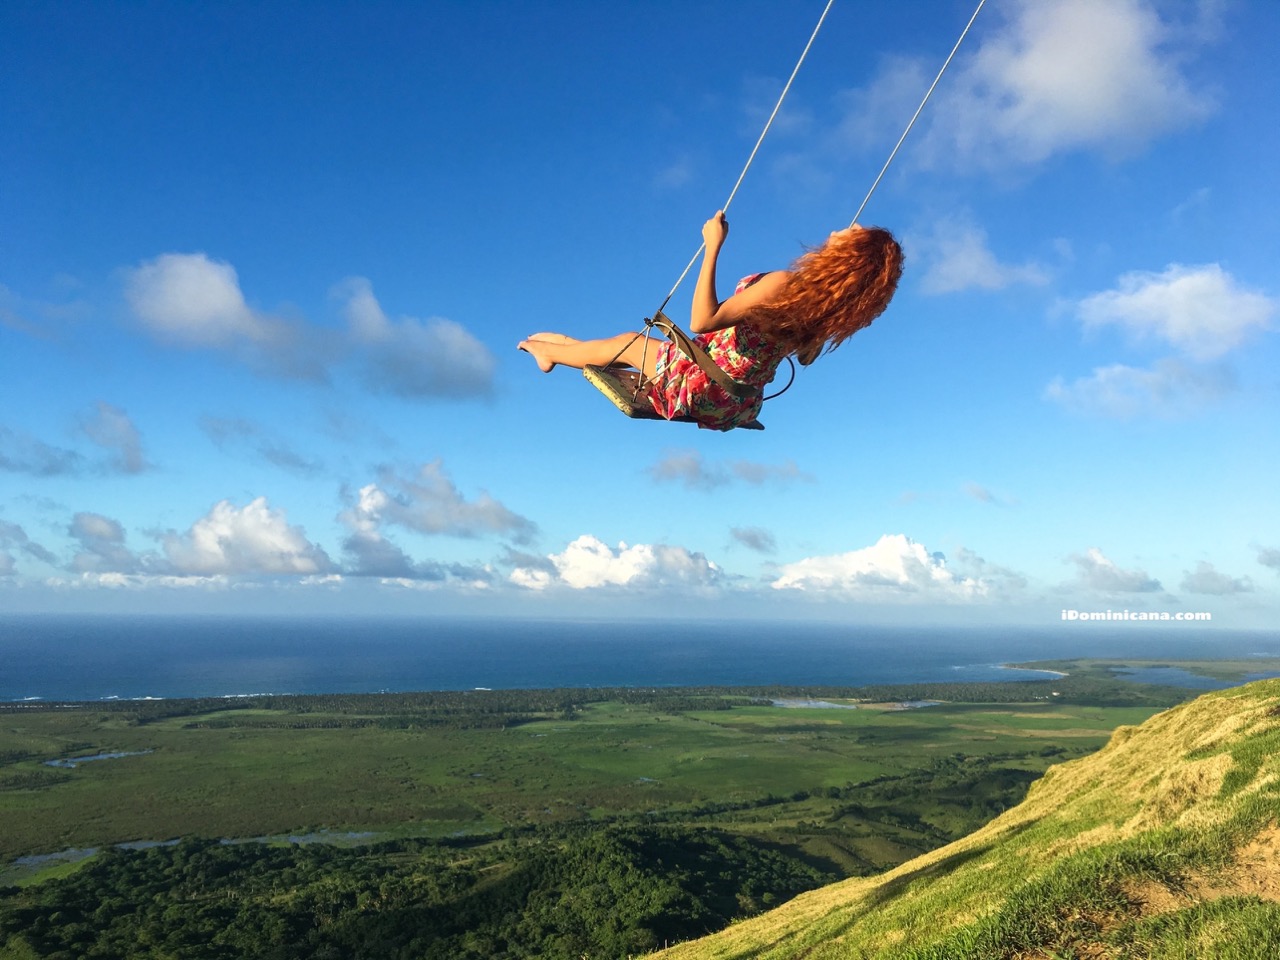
{"x":263,"y":267}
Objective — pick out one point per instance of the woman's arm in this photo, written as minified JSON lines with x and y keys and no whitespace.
{"x":708,"y":312}
{"x":705,"y":302}
{"x":736,"y":308}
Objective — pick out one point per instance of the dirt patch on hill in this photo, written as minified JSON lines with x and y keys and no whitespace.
{"x":1255,"y":872}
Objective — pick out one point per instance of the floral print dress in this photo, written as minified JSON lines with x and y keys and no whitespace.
{"x":681,"y":388}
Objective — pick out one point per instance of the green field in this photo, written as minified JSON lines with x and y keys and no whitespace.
{"x":488,"y":824}
{"x":398,"y":767}
{"x":584,"y":823}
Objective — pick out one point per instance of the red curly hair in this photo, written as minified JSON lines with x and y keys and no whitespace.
{"x":833,"y":291}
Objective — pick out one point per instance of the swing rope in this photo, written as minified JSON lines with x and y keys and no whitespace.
{"x":754,"y":150}
{"x":916,"y":115}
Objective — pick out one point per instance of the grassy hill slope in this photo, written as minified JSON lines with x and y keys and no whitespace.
{"x":1164,"y":844}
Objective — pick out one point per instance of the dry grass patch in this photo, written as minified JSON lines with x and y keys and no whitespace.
{"x":1254,"y":872}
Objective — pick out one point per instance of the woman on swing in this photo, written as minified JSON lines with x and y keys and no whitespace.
{"x":826,"y":296}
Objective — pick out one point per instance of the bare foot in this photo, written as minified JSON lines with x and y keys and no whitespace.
{"x":553,"y":338}
{"x":538,"y":349}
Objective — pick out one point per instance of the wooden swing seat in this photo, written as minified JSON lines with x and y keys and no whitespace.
{"x":623,"y":388}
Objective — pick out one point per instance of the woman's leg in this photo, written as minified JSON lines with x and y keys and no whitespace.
{"x":635,"y":350}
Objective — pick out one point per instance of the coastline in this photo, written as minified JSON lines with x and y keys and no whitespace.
{"x":1031,"y":666}
{"x":92,"y":659}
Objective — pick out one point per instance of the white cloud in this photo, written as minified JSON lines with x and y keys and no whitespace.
{"x":97,"y":527}
{"x":589,"y":563}
{"x":754,"y":538}
{"x":414,"y":358}
{"x":12,"y":536}
{"x":958,"y":257}
{"x":1170,"y":388}
{"x":192,"y":300}
{"x":874,"y":115}
{"x":253,"y":539}
{"x":760,"y":473}
{"x":102,"y":547}
{"x":1207,"y":580}
{"x":111,"y":429}
{"x":997,"y":580}
{"x":1269,"y":557}
{"x":53,"y":320}
{"x":238,"y":434}
{"x":371,"y":554}
{"x":113,"y":580}
{"x":980,"y":493}
{"x":1201,"y":310}
{"x":532,"y":578}
{"x":690,"y":469}
{"x":474,"y":578}
{"x":22,"y":453}
{"x":1097,"y":572}
{"x":685,"y":466}
{"x":1053,"y":77}
{"x":428,"y":502}
{"x":1063,"y":76}
{"x":893,"y":568}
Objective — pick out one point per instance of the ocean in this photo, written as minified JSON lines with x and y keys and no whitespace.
{"x":57,"y":657}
